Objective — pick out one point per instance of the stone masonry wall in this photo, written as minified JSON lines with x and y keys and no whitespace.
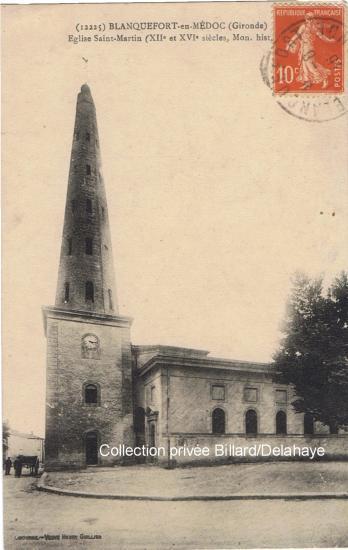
{"x":68,"y":416}
{"x":192,"y":404}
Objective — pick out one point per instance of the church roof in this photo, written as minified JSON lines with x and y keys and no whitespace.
{"x":148,"y":357}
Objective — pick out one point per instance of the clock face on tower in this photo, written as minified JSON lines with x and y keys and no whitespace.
{"x":90,"y":347}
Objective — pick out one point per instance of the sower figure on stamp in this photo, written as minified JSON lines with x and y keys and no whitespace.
{"x":311,"y":72}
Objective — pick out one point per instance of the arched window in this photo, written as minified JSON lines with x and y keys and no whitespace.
{"x":251,"y":422}
{"x":308,"y":424}
{"x":218,"y":421}
{"x":89,"y":291}
{"x":89,"y":246}
{"x":89,"y":206}
{"x":281,"y":423}
{"x":91,"y":394}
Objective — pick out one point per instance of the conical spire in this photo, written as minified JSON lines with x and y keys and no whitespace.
{"x":86,"y":277}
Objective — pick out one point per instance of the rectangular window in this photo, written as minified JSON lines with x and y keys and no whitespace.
{"x":88,"y":137}
{"x":218,"y":392}
{"x":251,"y":394}
{"x":66,"y":293}
{"x":152,"y":394}
{"x":89,"y":246}
{"x":88,"y":169}
{"x":281,"y":396}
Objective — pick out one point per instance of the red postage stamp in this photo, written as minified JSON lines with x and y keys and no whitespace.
{"x":308,"y":49}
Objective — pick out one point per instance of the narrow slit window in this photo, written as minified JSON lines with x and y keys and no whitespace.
{"x":88,"y":136}
{"x":88,"y":169}
{"x":89,"y":291}
{"x":74,"y":205}
{"x":103,"y":212}
{"x":89,"y":246}
{"x":66,"y":293}
{"x":89,"y":206}
{"x":69,"y":246}
{"x":111,"y":304}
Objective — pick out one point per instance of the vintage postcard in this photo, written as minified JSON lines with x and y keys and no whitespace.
{"x":175,"y":275}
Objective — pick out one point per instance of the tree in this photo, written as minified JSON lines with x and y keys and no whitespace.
{"x":313,"y":354}
{"x":5,"y":436}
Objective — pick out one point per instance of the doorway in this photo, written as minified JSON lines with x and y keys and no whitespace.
{"x":152,"y":434}
{"x":91,"y":448}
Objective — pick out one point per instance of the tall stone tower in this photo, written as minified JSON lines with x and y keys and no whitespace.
{"x":89,"y":384}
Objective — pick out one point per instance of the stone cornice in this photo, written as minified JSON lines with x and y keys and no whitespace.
{"x":164,"y":360}
{"x":84,"y":317}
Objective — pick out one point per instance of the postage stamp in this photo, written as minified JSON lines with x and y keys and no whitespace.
{"x":308,"y":55}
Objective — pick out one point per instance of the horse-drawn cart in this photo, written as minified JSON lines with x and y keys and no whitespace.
{"x":31,"y":462}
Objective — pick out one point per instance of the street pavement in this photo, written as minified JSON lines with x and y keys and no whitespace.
{"x":286,"y":478}
{"x":167,"y":525}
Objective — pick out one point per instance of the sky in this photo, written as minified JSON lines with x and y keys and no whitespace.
{"x":216,"y":196}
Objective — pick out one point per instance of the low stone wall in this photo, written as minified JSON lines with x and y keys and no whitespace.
{"x":189,"y":449}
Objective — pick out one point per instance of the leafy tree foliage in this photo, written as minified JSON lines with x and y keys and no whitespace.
{"x":5,"y":435}
{"x":313,"y":354}
{"x":5,"y":430}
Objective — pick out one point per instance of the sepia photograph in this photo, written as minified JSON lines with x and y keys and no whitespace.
{"x":175,"y":275}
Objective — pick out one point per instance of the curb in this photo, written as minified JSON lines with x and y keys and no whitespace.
{"x":236,"y":496}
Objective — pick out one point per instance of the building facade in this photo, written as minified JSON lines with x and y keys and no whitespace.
{"x":20,"y":443}
{"x":100,"y":388}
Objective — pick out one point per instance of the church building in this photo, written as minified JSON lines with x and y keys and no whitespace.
{"x":101,"y":388}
